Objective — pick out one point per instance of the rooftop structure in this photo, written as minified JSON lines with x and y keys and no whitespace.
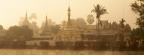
{"x":69,"y":33}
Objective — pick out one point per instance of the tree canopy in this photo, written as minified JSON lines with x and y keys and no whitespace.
{"x":136,"y":32}
{"x":90,"y":19}
{"x":79,"y":23}
{"x":138,"y":8}
{"x":99,"y":10}
{"x":19,"y":33}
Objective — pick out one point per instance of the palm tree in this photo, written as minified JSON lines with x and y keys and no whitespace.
{"x":99,"y":10}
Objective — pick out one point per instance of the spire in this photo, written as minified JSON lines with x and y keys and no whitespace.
{"x":26,"y":21}
{"x":69,"y":20}
{"x":46,"y":22}
{"x":26,"y":15}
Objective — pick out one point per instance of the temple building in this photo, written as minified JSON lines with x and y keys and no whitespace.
{"x":46,"y":30}
{"x":68,"y":32}
{"x":108,"y":32}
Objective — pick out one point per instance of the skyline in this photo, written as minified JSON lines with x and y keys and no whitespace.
{"x":12,"y":11}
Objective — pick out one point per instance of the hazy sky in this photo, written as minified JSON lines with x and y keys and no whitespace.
{"x":12,"y":10}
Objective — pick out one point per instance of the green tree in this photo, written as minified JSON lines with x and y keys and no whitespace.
{"x":99,"y":10}
{"x":19,"y":33}
{"x":138,"y":8}
{"x":136,"y":31}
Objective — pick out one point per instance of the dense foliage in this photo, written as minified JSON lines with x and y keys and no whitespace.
{"x":138,"y":8}
{"x":19,"y":33}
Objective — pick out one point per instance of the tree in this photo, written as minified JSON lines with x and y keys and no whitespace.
{"x":63,"y":23}
{"x":47,"y":24}
{"x":90,"y":19}
{"x":99,"y":10}
{"x":34,"y":27}
{"x":138,"y":8}
{"x":55,"y":28}
{"x":19,"y":33}
{"x":122,"y":23}
{"x":81,"y":23}
{"x":122,"y":29}
{"x":1,"y":27}
{"x":136,"y":31}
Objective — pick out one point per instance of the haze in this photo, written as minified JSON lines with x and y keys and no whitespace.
{"x":11,"y":11}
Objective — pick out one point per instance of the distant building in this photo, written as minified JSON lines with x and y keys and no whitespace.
{"x":108,"y":31}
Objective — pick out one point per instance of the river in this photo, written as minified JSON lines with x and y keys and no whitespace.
{"x":65,"y":52}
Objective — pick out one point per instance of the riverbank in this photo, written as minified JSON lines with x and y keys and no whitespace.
{"x":65,"y":52}
{"x":78,"y":45}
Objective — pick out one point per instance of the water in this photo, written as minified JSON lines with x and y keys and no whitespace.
{"x":65,"y":52}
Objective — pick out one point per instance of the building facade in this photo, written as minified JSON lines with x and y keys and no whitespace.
{"x":108,"y":32}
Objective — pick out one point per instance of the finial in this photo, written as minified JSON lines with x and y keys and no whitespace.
{"x":26,"y":14}
{"x":46,"y":16}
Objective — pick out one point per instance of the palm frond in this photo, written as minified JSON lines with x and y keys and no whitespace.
{"x":93,"y":10}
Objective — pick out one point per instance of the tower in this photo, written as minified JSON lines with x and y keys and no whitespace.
{"x":69,"y":20}
{"x":69,"y":25}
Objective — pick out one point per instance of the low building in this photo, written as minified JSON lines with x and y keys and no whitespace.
{"x":108,"y":31}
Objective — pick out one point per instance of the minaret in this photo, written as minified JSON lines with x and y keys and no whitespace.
{"x":69,"y":20}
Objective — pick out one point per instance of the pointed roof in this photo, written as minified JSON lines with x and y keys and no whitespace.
{"x":69,"y":8}
{"x":46,"y":22}
{"x":26,"y":21}
{"x":26,"y":15}
{"x":69,"y":20}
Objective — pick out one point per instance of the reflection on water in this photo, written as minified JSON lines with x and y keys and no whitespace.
{"x":65,"y":52}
